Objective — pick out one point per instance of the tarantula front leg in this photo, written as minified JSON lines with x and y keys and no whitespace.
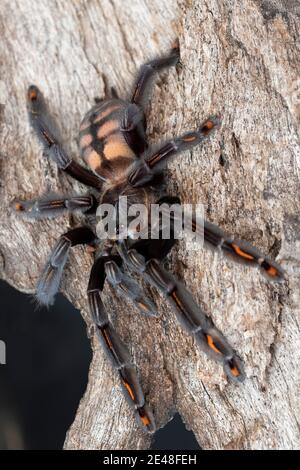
{"x":189,"y":314}
{"x":145,"y":169}
{"x":54,"y":205}
{"x":147,"y":72}
{"x":114,"y":346}
{"x":47,"y":133}
{"x":50,"y":277}
{"x":133,"y":124}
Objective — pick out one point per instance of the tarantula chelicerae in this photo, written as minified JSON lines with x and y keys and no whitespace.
{"x":114,"y":145}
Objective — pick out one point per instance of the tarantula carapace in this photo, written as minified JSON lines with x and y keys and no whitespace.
{"x":114,"y":145}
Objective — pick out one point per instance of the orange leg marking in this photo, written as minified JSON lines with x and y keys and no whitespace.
{"x":272,"y":271}
{"x":18,"y":206}
{"x":207,"y":127}
{"x":190,"y":138}
{"x":241,"y":253}
{"x":143,"y":306}
{"x":235,"y":371}
{"x":179,"y":304}
{"x":107,"y":339}
{"x":32,"y":95}
{"x":211,"y":344}
{"x":56,"y":203}
{"x":129,"y":389}
{"x":145,"y":420}
{"x":152,"y":160}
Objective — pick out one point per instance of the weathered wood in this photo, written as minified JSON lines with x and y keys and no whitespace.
{"x":239,"y":59}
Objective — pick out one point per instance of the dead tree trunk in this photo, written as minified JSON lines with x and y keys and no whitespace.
{"x":240,"y":59}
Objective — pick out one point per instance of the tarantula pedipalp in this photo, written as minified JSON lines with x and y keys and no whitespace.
{"x":114,"y":145}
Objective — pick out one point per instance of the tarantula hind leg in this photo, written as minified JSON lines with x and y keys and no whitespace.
{"x":48,"y":283}
{"x":239,"y":250}
{"x":242,"y":251}
{"x":53,"y":205}
{"x":189,"y":314}
{"x":115,"y":347}
{"x":128,"y":288}
{"x":47,"y":132}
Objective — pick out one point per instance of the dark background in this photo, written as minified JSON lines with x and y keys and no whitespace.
{"x":47,"y":360}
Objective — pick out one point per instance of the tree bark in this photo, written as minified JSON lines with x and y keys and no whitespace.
{"x":240,"y":59}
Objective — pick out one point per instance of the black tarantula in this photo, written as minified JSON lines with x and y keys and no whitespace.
{"x":114,"y":145}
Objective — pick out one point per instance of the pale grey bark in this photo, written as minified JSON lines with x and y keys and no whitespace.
{"x":239,"y":59}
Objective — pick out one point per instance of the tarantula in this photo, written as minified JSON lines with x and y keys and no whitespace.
{"x":114,"y":145}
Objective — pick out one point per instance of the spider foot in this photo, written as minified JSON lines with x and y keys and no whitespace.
{"x":145,"y":419}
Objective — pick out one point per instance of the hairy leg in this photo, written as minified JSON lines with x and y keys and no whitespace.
{"x":48,"y":283}
{"x":195,"y":321}
{"x":145,"y":169}
{"x":149,"y":70}
{"x":239,"y":250}
{"x":47,"y":133}
{"x":133,"y":126}
{"x":115,"y":347}
{"x":128,"y":288}
{"x":54,"y":205}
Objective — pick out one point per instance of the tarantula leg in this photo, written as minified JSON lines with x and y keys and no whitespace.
{"x":147,"y":72}
{"x":54,"y":205}
{"x":133,"y":125}
{"x":50,"y":277}
{"x":48,"y":135}
{"x":128,"y":288}
{"x":189,"y":314}
{"x":114,"y":93}
{"x":238,"y":250}
{"x":133,"y":116}
{"x":115,"y":347}
{"x":144,"y":170}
